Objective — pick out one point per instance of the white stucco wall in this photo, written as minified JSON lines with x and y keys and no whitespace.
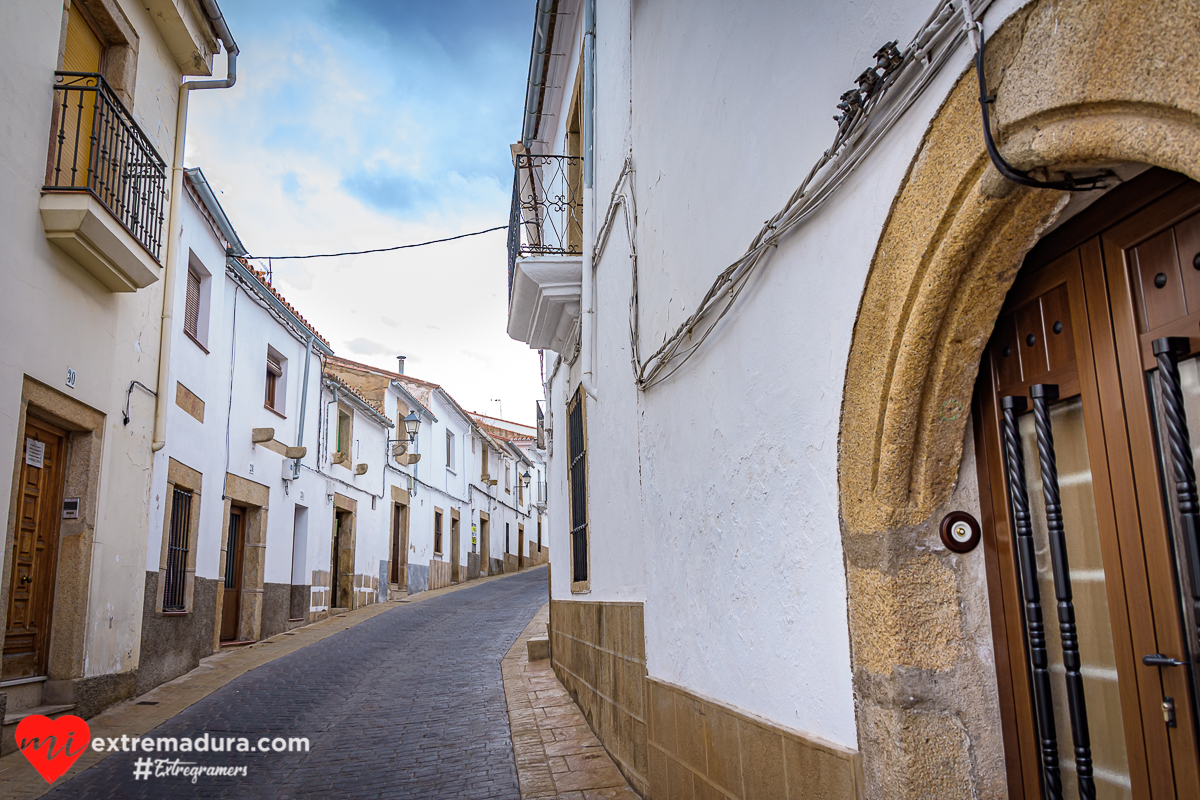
{"x":56,"y":315}
{"x":714,"y":495}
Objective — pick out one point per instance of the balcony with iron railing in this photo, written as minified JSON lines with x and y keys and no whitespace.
{"x":545,"y":249}
{"x":104,"y":200}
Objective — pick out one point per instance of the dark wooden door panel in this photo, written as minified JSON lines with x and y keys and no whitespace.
{"x":35,"y":552}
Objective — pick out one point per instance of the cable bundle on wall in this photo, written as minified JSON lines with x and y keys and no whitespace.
{"x":885,"y":93}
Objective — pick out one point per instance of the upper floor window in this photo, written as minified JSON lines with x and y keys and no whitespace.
{"x":483,"y":462}
{"x":195,"y":305}
{"x":276,"y":383}
{"x":345,"y":432}
{"x":450,"y":451}
{"x":507,"y":478}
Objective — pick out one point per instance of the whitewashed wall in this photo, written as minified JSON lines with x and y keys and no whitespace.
{"x":720,"y":505}
{"x":56,"y":315}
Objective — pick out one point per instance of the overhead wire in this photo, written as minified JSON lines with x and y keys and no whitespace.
{"x":380,"y":249}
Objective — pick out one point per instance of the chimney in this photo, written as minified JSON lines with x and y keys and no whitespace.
{"x":400,"y":360}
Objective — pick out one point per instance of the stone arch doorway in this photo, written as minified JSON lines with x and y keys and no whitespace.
{"x":1078,"y":85}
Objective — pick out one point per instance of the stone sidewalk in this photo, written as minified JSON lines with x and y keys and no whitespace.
{"x":557,"y":754}
{"x":18,"y":779}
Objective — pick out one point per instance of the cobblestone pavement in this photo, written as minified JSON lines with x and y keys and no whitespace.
{"x":408,"y":704}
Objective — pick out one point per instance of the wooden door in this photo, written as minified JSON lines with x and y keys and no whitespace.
{"x":485,"y":561}
{"x":455,"y":552}
{"x":235,"y":548}
{"x":335,"y":572}
{"x":1079,"y":555}
{"x":397,"y":553}
{"x":34,"y":557}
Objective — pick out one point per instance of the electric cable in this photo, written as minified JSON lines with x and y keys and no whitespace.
{"x":380,"y":249}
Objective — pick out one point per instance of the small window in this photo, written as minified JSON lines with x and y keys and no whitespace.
{"x":506,"y":537}
{"x":344,"y":432}
{"x":577,"y":490}
{"x":437,"y":532}
{"x":276,"y":388}
{"x":483,"y":461}
{"x":191,"y":306}
{"x":449,"y":451}
{"x":507,"y":478}
{"x":177,"y":551}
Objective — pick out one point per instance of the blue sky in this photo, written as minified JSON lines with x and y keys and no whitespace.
{"x":369,"y":123}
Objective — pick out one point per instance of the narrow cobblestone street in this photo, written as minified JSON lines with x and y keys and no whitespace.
{"x":407,"y":704}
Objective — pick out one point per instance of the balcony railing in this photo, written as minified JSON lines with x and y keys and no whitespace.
{"x":547,"y":208}
{"x":96,"y":147}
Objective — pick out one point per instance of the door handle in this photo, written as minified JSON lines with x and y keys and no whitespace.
{"x":1159,"y":660}
{"x":26,"y":579}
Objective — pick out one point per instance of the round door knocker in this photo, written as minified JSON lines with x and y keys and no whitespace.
{"x":960,"y":532}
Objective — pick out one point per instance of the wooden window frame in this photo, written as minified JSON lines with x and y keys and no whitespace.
{"x":577,"y":493}
{"x":343,"y":445}
{"x":450,"y":450}
{"x":438,"y":539}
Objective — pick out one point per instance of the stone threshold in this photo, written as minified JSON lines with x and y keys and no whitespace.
{"x":136,"y":716}
{"x":557,"y":754}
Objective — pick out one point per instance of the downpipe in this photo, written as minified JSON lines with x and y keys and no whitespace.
{"x":174,"y":232}
{"x":587,"y":291}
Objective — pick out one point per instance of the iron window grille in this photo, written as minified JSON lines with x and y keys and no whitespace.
{"x":98,"y":148}
{"x":546,"y":217}
{"x":576,"y":447}
{"x":177,"y":551}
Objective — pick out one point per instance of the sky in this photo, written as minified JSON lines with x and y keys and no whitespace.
{"x":358,"y":124}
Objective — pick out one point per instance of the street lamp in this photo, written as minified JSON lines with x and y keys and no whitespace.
{"x":525,"y":479}
{"x":411,"y":423}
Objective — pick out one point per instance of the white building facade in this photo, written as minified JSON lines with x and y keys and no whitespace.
{"x":763,"y":439}
{"x":91,"y":87}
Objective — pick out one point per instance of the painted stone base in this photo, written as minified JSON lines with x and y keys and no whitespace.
{"x":418,"y":578}
{"x":495,"y":566}
{"x":173,"y":644}
{"x":669,"y":742}
{"x":277,"y":606}
{"x":473,"y":571}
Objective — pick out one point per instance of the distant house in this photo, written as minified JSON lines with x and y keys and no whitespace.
{"x":239,"y":511}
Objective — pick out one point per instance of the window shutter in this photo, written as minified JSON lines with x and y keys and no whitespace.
{"x":191,"y":306}
{"x":273,"y":365}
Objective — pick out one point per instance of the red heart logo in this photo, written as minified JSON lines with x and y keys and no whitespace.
{"x":52,"y":745}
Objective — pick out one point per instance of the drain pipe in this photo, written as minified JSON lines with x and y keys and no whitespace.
{"x":174,"y":233}
{"x":304,"y":392}
{"x":588,"y":298}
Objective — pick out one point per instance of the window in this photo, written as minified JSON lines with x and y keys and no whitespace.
{"x":345,"y":430}
{"x":191,"y":306}
{"x":449,"y":451}
{"x":520,"y":493}
{"x":177,"y":551}
{"x":577,"y":486}
{"x":437,"y":532}
{"x":483,"y":461}
{"x":506,"y":537}
{"x":507,"y":478}
{"x":276,"y":387}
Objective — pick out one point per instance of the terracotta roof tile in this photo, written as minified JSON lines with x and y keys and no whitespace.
{"x":262,"y":278}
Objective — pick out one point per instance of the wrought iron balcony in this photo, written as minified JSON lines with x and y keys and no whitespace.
{"x":547,"y":208}
{"x":96,"y":147}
